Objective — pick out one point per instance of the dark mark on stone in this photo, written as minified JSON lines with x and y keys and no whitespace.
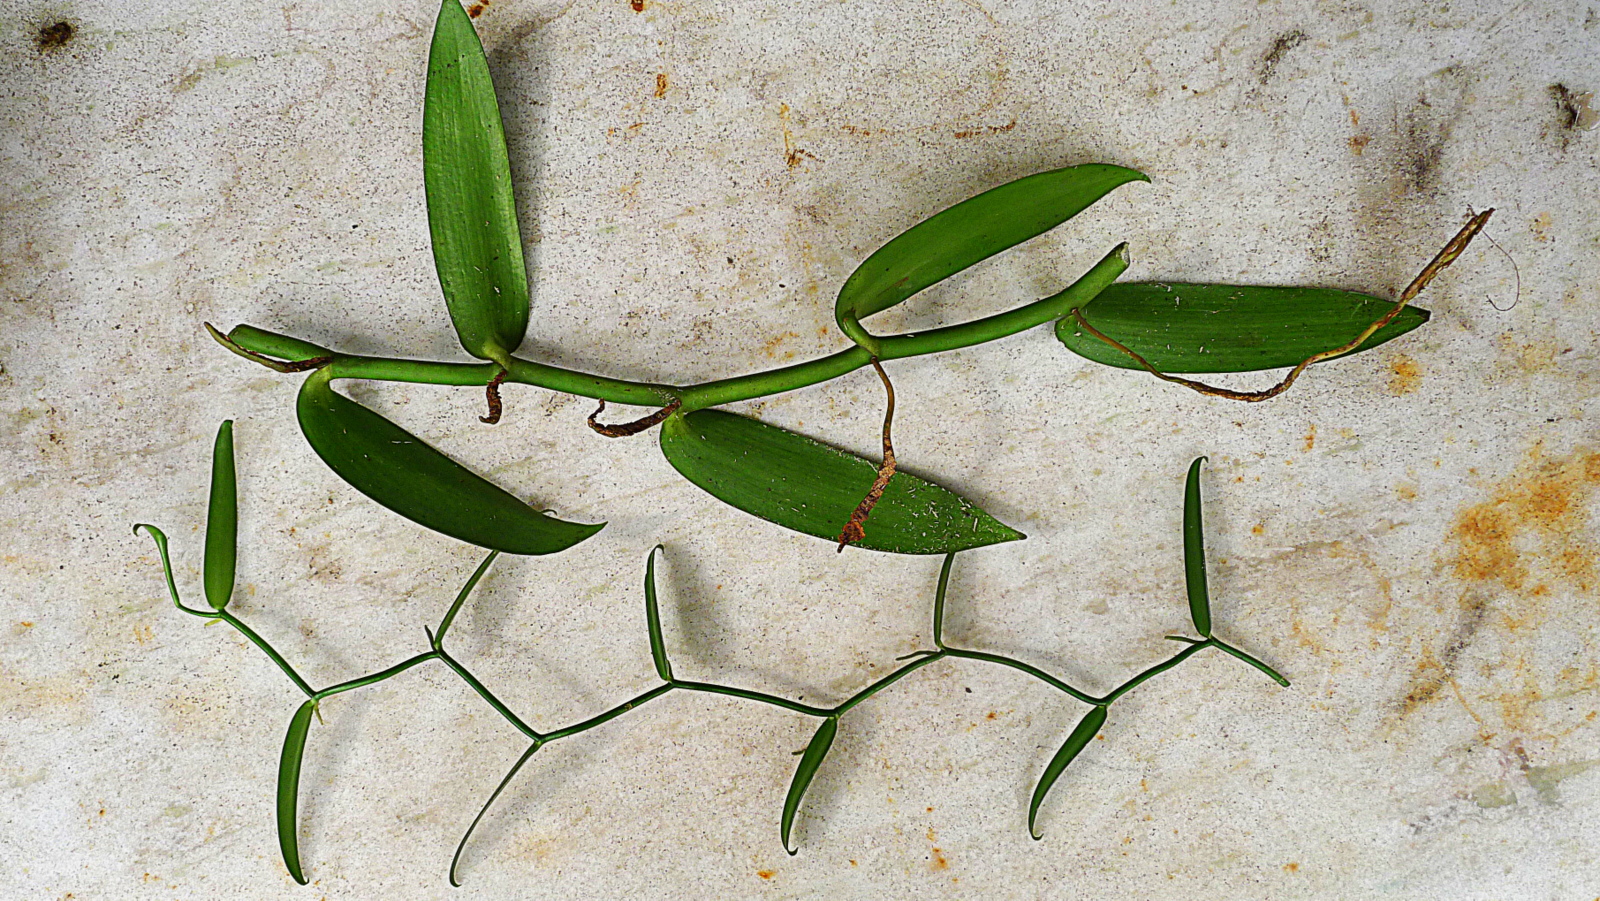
{"x":54,"y":37}
{"x":1274,"y":55}
{"x":1573,"y":111}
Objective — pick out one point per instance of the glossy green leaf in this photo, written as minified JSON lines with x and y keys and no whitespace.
{"x":294,"y":747}
{"x":1227,"y":328}
{"x":222,"y":521}
{"x":399,"y":471}
{"x":809,"y":487}
{"x":1075,"y":743}
{"x":805,"y":772}
{"x":652,"y":615}
{"x":472,"y":215}
{"x":1194,"y":552}
{"x":968,"y":233}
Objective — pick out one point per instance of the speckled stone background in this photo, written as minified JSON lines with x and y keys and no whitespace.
{"x":1408,"y":534}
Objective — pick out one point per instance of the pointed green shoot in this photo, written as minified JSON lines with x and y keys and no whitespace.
{"x":294,"y":747}
{"x":807,"y":486}
{"x":437,"y":640}
{"x":969,"y":233}
{"x":401,"y":472}
{"x":652,"y":615}
{"x":1194,"y":552}
{"x":455,"y":861}
{"x":472,"y":214}
{"x":805,"y":772}
{"x":1075,"y":743}
{"x":1227,"y":328}
{"x":222,"y":521}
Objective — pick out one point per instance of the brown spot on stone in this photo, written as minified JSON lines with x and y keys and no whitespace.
{"x":476,"y":9}
{"x":1537,"y":520}
{"x":638,"y":5}
{"x":1274,"y":55}
{"x":1404,"y":375}
{"x":54,"y":36}
{"x":987,"y":130}
{"x":661,"y":85}
{"x":1311,"y":437}
{"x":1358,"y":143}
{"x":1291,"y":867}
{"x":1541,"y":227}
{"x":764,"y":874}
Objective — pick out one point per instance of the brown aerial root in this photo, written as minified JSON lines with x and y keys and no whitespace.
{"x":1444,"y":258}
{"x":623,"y":430}
{"x":492,"y":391}
{"x":856,"y":528}
{"x":274,"y":365}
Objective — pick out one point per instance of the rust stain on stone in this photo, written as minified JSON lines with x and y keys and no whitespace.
{"x":661,"y":85}
{"x":1405,"y":375}
{"x":1533,"y":529}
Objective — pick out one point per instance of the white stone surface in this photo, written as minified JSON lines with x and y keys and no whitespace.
{"x":1408,"y":534}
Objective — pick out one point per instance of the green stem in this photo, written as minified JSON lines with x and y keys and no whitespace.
{"x":887,"y":681}
{"x":487,"y":695}
{"x":1271,"y":673}
{"x":267,"y":649}
{"x":709,"y":394}
{"x":748,"y":695}
{"x":1153,"y":671}
{"x":1033,"y":671}
{"x":449,"y":617}
{"x":611,"y":714}
{"x":938,"y":600}
{"x":379,"y":676}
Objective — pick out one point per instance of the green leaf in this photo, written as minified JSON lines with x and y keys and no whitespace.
{"x":968,"y":233}
{"x":809,"y":487}
{"x":805,"y":772}
{"x":461,"y":846}
{"x":472,"y":215}
{"x":294,"y":747}
{"x":222,"y":521}
{"x":1076,"y":742}
{"x":1227,"y":328}
{"x":399,"y":471}
{"x":652,"y":615}
{"x":1194,"y":552}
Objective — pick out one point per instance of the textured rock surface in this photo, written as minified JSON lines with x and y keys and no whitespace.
{"x":1408,"y":534}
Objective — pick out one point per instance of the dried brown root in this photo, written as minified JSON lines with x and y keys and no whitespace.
{"x":1444,"y":258}
{"x":623,"y":430}
{"x":274,"y":365}
{"x":856,"y":528}
{"x":492,"y":390}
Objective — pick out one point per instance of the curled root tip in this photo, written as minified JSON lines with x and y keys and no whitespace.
{"x":492,"y":390}
{"x":624,"y":429}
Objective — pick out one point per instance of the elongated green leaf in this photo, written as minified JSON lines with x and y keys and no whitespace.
{"x":399,"y":471}
{"x":809,"y":487}
{"x":222,"y":521}
{"x":1075,"y":743}
{"x":1194,"y":552}
{"x":805,"y":772}
{"x":968,"y":233}
{"x":472,"y":215}
{"x":455,"y":861}
{"x":1227,"y":328}
{"x":294,"y":747}
{"x":652,"y":615}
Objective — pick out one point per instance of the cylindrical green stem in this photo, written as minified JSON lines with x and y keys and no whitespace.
{"x":1153,"y":671}
{"x":887,"y":681}
{"x":1271,"y":673}
{"x":267,"y":649}
{"x":1031,"y":670}
{"x":487,"y":695}
{"x":709,"y":394}
{"x":611,"y":714}
{"x":748,"y":695}
{"x":379,"y":676}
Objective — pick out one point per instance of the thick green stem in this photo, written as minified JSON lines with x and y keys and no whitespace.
{"x":709,"y":394}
